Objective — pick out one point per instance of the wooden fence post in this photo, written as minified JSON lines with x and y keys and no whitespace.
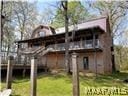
{"x":75,"y":75}
{"x":9,"y":72}
{"x":33,"y":76}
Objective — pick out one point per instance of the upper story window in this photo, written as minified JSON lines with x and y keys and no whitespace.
{"x":42,"y":34}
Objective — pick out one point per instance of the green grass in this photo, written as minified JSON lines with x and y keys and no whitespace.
{"x":61,"y":84}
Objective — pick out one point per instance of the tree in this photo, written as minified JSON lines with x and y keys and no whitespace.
{"x":19,"y":20}
{"x":25,"y":16}
{"x":9,"y":38}
{"x":7,"y":27}
{"x":76,"y":14}
{"x":121,"y":51}
{"x":121,"y":54}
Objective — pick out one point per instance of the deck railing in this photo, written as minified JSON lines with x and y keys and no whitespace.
{"x":22,"y":60}
{"x":85,"y":44}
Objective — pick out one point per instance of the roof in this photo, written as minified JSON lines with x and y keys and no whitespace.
{"x":100,"y":21}
{"x":93,"y":24}
{"x":41,"y":27}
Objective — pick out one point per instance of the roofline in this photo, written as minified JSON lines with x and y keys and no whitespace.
{"x":97,"y":18}
{"x":100,"y":17}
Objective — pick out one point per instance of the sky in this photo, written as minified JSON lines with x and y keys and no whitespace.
{"x":42,"y":5}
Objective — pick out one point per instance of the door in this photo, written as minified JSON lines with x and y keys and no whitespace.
{"x":86,"y":63}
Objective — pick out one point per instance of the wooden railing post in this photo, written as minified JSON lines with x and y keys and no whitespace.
{"x":33,"y":76}
{"x":9,"y":72}
{"x":75,"y":75}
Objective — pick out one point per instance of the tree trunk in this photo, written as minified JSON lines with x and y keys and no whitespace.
{"x":1,"y":39}
{"x":112,"y":46}
{"x":21,"y":36}
{"x":113,"y":57}
{"x":8,"y":49}
{"x":65,"y":6}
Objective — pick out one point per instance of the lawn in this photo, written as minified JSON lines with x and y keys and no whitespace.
{"x":60,"y":84}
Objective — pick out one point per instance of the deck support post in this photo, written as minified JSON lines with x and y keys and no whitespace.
{"x":18,"y":55}
{"x":24,"y":69}
{"x":95,"y":57}
{"x":33,"y":76}
{"x":9,"y":72}
{"x":75,"y":75}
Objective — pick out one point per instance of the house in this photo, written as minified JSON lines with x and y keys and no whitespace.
{"x":91,"y":40}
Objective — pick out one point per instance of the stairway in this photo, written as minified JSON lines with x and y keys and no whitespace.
{"x":42,"y":51}
{"x":35,"y":51}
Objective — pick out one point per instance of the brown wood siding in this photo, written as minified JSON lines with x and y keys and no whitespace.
{"x":51,"y":61}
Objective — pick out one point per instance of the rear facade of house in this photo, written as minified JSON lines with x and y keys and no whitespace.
{"x":91,"y":41}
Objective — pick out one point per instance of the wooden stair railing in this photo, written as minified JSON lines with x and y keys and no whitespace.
{"x":41,"y":50}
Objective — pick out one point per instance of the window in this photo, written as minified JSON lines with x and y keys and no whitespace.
{"x":42,"y":34}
